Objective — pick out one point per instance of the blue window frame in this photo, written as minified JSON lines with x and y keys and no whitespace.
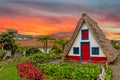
{"x":95,"y":50}
{"x":75,"y":50}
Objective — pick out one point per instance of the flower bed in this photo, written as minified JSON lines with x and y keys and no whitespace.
{"x":29,"y":71}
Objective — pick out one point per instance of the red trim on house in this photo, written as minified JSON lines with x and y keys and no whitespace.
{"x":76,"y":58}
{"x":93,"y":59}
{"x":98,"y":59}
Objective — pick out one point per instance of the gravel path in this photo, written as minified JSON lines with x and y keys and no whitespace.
{"x":116,"y":69}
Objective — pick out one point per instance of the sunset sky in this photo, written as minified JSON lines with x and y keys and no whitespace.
{"x":39,"y":17}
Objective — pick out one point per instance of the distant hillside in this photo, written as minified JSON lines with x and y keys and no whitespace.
{"x":23,"y":37}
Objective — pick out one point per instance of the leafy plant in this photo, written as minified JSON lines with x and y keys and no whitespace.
{"x":55,"y":49}
{"x":66,"y":71}
{"x":43,"y":57}
{"x":109,"y":74}
{"x":8,"y":38}
{"x":19,"y":49}
{"x":44,"y":39}
{"x":29,"y":71}
{"x":32,"y":50}
{"x":2,"y":53}
{"x":62,"y":42}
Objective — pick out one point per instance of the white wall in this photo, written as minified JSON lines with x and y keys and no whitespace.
{"x":92,"y":41}
{"x":42,"y":49}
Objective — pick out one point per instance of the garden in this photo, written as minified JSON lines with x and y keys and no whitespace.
{"x":35,"y":65}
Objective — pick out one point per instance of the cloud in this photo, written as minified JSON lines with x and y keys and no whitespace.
{"x":112,"y":36}
{"x":55,"y":16}
{"x":64,"y":35}
{"x":117,"y":34}
{"x":110,"y":9}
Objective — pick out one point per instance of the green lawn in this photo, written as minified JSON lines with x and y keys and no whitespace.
{"x":9,"y":72}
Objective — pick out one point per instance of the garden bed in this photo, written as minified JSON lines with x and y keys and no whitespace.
{"x":67,"y":71}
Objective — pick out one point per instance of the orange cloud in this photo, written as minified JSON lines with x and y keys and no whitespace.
{"x":38,"y":26}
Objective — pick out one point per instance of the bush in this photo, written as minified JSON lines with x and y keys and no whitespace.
{"x":117,"y":47}
{"x":29,"y":71}
{"x":19,"y":49}
{"x":2,"y":53}
{"x":66,"y":71}
{"x":43,"y":58}
{"x":109,"y":74}
{"x":32,"y":50}
{"x":55,"y":49}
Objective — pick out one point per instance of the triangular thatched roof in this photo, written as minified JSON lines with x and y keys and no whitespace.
{"x":103,"y":42}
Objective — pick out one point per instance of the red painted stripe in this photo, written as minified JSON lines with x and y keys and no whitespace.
{"x":93,"y":59}
{"x":76,"y":58}
{"x":99,"y":59}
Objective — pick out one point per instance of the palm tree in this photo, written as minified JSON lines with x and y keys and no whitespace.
{"x":45,"y":39}
{"x":62,"y":42}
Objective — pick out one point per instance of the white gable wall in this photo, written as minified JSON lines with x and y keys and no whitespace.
{"x":92,"y":41}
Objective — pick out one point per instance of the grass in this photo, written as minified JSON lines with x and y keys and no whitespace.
{"x":9,"y":71}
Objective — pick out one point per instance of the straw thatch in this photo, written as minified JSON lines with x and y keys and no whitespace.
{"x":32,"y":42}
{"x":99,"y":36}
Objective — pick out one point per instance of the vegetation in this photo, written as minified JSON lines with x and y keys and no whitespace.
{"x":2,"y":54}
{"x":8,"y":38}
{"x":31,"y":50}
{"x":116,"y":45}
{"x":45,"y":39}
{"x":108,"y":75}
{"x":62,"y":42}
{"x":66,"y":71}
{"x":43,"y":58}
{"x":55,"y":49}
{"x":62,"y":71}
{"x":29,"y":71}
{"x":9,"y":71}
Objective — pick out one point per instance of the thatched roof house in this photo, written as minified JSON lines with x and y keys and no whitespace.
{"x":88,"y":43}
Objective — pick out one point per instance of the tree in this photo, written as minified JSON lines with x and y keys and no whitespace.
{"x":55,"y":49}
{"x":45,"y":39}
{"x":8,"y":38}
{"x":62,"y":42}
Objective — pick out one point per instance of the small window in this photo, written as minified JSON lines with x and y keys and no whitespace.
{"x":84,"y":34}
{"x":95,"y":51}
{"x":76,"y":50}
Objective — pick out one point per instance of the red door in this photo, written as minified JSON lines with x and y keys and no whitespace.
{"x":85,"y":51}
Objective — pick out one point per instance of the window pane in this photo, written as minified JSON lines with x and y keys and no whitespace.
{"x":95,"y":51}
{"x":76,"y":50}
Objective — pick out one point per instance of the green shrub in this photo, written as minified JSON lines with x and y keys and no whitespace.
{"x":43,"y":58}
{"x":109,"y":74}
{"x":55,"y":49}
{"x":19,"y":50}
{"x":67,"y":71}
{"x":2,"y":53}
{"x":32,"y":50}
{"x":117,"y":47}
